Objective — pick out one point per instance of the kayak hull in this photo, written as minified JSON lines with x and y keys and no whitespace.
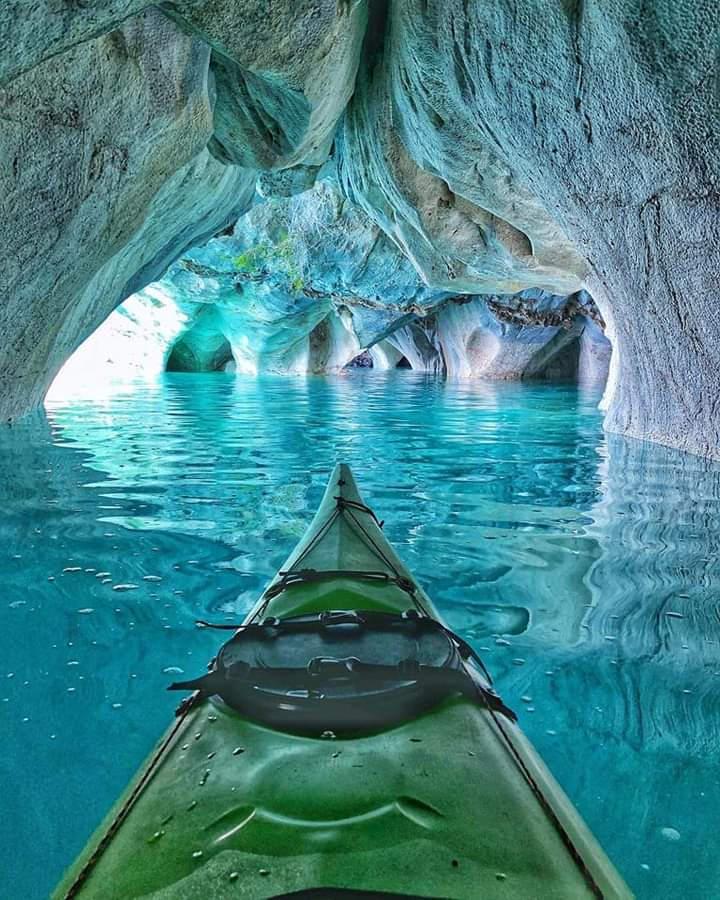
{"x":455,"y":803}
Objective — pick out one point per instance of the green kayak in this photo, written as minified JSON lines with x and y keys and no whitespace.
{"x":344,"y":743}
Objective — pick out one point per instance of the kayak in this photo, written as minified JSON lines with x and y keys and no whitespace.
{"x":343,"y":743}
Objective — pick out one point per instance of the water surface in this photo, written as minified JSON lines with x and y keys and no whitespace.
{"x":584,"y":568}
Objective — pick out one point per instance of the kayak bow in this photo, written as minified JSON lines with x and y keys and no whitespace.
{"x":344,"y":742}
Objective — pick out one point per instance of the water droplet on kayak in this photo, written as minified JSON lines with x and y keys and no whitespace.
{"x":167,"y":819}
{"x":102,"y":574}
{"x":519,"y":661}
{"x":233,"y":876}
{"x":645,"y":866}
{"x":263,"y":871}
{"x":125,"y":587}
{"x":116,"y":705}
{"x":152,"y":578}
{"x":185,"y":746}
{"x":173,"y":670}
{"x":72,"y":569}
{"x":238,"y":750}
{"x":204,"y":777}
{"x":501,"y":876}
{"x":197,"y":854}
{"x":328,"y":735}
{"x":551,"y":731}
{"x":192,"y":805}
{"x":526,"y":699}
{"x":210,"y":755}
{"x":73,"y":662}
{"x":212,"y":718}
{"x":86,"y":611}
{"x":671,"y":834}
{"x":198,"y":735}
{"x":90,"y":571}
{"x":156,"y":836}
{"x":675,"y":615}
{"x":501,"y":642}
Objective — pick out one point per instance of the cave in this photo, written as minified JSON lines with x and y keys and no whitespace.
{"x":518,"y":202}
{"x":186,"y":357}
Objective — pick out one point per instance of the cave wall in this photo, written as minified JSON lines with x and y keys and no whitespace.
{"x":304,"y":283}
{"x":106,"y":179}
{"x":624,"y":156}
{"x":491,"y":145}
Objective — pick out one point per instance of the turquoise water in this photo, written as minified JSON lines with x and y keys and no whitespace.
{"x":585,"y":568}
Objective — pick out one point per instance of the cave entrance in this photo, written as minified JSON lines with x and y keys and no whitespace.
{"x":581,"y":354}
{"x":403,"y":363}
{"x":203,"y":347}
{"x":362,"y":361}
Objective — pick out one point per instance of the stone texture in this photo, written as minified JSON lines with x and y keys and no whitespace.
{"x":284,"y":73}
{"x":624,"y":156}
{"x":34,"y":30}
{"x":492,"y":144}
{"x":104,"y":188}
{"x":427,"y":179}
{"x":302,"y":284}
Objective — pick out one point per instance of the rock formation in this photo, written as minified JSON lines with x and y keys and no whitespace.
{"x":303,"y":284}
{"x":509,"y":153}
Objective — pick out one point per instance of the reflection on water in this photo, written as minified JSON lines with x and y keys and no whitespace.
{"x":584,"y":568}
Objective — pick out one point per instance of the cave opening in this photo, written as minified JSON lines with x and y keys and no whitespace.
{"x":184,"y":357}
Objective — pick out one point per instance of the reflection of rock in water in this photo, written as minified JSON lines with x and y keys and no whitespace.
{"x":655,"y":592}
{"x":630,"y":687}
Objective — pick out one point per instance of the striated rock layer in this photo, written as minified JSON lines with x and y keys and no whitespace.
{"x":501,"y":149}
{"x":304,"y":284}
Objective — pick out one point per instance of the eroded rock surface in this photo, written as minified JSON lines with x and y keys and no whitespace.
{"x":107,"y":181}
{"x":304,"y":284}
{"x":506,"y":150}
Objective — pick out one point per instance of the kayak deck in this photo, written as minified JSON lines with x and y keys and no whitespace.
{"x":452,"y":804}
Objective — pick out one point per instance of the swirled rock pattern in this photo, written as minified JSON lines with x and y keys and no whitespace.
{"x":502,"y":149}
{"x":304,"y":284}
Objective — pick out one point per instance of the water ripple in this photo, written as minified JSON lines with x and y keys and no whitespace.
{"x":585,"y":569}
